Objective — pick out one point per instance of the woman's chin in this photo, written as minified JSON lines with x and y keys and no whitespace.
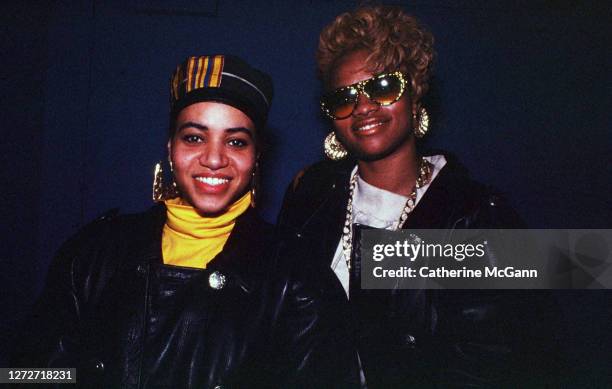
{"x":371,"y":153}
{"x":375,"y":150}
{"x":208,"y":208}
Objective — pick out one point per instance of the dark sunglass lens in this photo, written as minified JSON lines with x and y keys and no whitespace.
{"x":341,"y":103}
{"x":385,"y":90}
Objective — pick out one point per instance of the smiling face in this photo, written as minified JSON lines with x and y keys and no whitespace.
{"x":213,"y":155}
{"x":372,"y":131}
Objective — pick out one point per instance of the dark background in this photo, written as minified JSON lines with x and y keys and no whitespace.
{"x":521,"y":95}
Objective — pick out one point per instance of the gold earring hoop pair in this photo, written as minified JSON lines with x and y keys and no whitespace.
{"x":162,"y":191}
{"x":335,"y":151}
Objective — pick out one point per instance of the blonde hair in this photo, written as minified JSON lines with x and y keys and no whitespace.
{"x":393,"y":39}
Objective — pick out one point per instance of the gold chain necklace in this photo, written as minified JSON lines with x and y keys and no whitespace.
{"x":347,"y":233}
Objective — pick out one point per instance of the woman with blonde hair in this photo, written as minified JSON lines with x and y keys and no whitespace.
{"x":375,"y":66}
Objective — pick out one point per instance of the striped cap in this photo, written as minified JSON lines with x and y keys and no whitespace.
{"x":223,"y":78}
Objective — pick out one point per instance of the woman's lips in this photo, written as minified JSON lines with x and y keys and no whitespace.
{"x":368,"y":127}
{"x":212,"y":185}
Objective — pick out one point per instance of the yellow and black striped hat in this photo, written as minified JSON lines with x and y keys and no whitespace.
{"x":223,"y":78}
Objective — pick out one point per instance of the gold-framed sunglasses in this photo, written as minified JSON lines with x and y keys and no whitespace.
{"x":383,"y":89}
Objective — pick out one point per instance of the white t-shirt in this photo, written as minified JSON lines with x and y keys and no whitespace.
{"x":378,"y":208}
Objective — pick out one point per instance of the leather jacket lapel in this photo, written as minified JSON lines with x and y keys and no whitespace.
{"x":329,"y":216}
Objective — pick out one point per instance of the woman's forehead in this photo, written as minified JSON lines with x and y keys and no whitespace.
{"x":351,"y":68}
{"x":214,"y":115}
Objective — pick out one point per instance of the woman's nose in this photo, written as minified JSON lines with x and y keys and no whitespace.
{"x":213,"y":156}
{"x":363,"y":105}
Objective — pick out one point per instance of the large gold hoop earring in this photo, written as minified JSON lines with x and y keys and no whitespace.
{"x":161,"y":191}
{"x":334,"y":150}
{"x":423,"y":125}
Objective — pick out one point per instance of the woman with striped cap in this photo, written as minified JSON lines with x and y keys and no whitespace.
{"x":187,"y":295}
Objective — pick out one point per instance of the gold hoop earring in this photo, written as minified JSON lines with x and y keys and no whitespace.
{"x":423,"y":121}
{"x":253,"y":194}
{"x":254,"y":177}
{"x":333,"y":149}
{"x":158,"y":183}
{"x":162,"y":192}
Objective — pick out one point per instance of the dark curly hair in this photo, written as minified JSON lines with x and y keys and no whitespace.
{"x":394,"y":39}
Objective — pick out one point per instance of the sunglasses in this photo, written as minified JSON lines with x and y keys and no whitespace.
{"x":384,"y":89}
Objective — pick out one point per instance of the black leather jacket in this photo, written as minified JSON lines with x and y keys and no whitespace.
{"x":426,"y":338}
{"x":124,"y":320}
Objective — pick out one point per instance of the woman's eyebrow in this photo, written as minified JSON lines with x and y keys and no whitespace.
{"x":192,"y":124}
{"x":245,"y":130}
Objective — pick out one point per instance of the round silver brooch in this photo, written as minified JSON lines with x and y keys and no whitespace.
{"x":216,"y":280}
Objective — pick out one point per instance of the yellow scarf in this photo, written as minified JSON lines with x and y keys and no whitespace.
{"x":191,"y":240}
